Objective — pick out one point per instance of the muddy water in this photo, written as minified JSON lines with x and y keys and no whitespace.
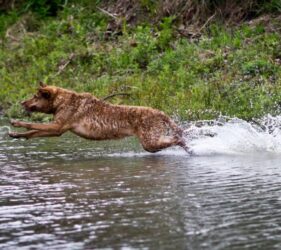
{"x":69,"y":193}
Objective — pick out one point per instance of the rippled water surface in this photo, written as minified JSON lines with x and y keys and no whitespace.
{"x":70,"y":193}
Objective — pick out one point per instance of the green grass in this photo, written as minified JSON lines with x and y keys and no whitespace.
{"x":233,"y":72}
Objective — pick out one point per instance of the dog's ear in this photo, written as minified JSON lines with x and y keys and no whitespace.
{"x":41,"y":84}
{"x":45,"y":93}
{"x":48,"y":92}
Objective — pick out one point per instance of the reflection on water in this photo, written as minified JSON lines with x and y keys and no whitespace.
{"x":71,"y":193}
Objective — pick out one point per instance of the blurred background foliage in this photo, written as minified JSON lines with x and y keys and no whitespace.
{"x":196,"y":59}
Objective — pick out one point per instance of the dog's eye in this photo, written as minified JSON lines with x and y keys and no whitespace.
{"x":46,"y":95}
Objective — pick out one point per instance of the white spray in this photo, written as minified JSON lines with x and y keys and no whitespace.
{"x":235,"y":136}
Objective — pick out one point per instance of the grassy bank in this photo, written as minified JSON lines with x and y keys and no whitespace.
{"x":230,"y":71}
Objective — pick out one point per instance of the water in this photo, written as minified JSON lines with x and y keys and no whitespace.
{"x":69,"y":193}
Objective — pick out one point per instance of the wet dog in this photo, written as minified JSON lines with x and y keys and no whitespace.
{"x":92,"y":118}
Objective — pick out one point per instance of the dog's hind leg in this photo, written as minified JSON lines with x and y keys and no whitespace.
{"x":182,"y":144}
{"x":153,"y":135}
{"x":156,"y":144}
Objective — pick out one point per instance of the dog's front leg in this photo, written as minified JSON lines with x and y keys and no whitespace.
{"x":50,"y":127}
{"x":33,"y":133}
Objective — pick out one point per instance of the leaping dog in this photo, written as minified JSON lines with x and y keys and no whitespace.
{"x":92,"y":118}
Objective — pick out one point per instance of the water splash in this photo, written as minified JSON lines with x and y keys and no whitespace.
{"x":233,"y":136}
{"x":4,"y":130}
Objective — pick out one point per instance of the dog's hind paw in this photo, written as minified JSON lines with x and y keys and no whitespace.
{"x":190,"y":152}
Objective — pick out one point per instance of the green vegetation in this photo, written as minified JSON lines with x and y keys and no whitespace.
{"x":230,"y":71}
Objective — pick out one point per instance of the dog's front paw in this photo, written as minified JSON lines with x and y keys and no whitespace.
{"x":15,"y":123}
{"x":14,"y":134}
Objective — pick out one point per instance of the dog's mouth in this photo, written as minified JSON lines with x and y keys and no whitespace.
{"x":29,"y":110}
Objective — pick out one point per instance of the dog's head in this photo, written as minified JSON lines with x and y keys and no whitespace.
{"x":42,"y":101}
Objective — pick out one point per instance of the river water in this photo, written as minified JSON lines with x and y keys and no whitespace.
{"x":70,"y":193}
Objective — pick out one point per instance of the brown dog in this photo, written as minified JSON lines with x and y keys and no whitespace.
{"x":91,"y":118}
